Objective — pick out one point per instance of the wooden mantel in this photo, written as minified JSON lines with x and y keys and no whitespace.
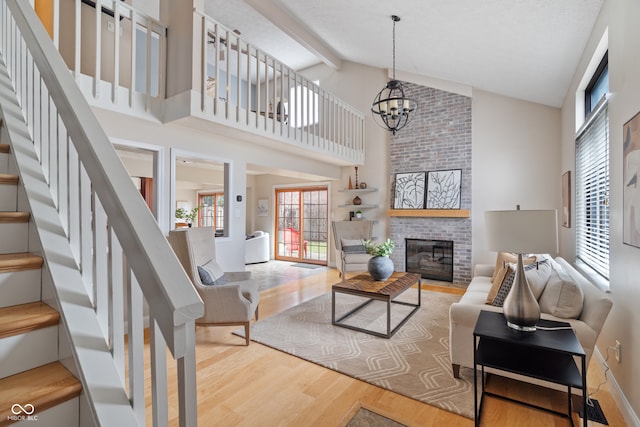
{"x":433,"y":213}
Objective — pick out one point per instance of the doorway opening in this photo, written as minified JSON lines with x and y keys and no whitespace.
{"x":302,"y":224}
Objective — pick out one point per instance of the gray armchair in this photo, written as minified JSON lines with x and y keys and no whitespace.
{"x":232,"y":303}
{"x":343,"y":231}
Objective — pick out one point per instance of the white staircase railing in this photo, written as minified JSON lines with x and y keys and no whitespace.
{"x":104,"y":251}
{"x":246,"y":88}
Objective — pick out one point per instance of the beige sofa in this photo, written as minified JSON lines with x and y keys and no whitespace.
{"x":464,"y":314}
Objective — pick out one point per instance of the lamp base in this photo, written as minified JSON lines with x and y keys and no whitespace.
{"x":521,"y":328}
{"x":520,"y":307}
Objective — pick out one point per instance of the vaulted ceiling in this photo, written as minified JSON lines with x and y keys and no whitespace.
{"x":526,"y":49}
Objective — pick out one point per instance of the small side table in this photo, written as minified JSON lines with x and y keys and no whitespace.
{"x":543,"y":354}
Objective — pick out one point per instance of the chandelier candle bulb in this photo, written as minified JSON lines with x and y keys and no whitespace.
{"x":383,"y":107}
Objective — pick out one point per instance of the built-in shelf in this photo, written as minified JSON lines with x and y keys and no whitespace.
{"x":356,"y":192}
{"x":359,"y":190}
{"x":433,"y":213}
{"x":356,"y":207}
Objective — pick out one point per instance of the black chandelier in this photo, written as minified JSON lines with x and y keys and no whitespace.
{"x":393,"y":105}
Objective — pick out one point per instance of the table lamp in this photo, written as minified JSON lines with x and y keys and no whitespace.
{"x":521,"y":232}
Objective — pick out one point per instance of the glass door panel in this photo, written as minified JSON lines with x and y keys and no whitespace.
{"x":302,"y":221}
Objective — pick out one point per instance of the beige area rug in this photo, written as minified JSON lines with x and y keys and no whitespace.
{"x":414,"y":362}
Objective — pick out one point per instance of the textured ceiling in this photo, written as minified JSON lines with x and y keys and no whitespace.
{"x":526,"y":49}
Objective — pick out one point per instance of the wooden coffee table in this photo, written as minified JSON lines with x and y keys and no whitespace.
{"x":363,"y":285}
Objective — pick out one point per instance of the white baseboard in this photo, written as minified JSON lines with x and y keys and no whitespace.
{"x":627,"y":411}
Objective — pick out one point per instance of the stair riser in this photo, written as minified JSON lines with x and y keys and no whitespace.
{"x":14,"y":237}
{"x":8,"y":197}
{"x":19,"y":287}
{"x":27,"y":351}
{"x":65,"y":414}
{"x":4,"y":163}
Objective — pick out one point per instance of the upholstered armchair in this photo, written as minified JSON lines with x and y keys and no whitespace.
{"x":230,"y":298}
{"x":256,"y":248}
{"x":347,"y":236}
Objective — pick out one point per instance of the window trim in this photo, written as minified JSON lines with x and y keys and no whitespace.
{"x":604,"y":64}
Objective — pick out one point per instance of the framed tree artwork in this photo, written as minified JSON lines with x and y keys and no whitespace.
{"x":409,"y":191}
{"x":443,"y":189}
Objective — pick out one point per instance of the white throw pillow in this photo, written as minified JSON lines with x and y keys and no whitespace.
{"x":352,"y":246}
{"x":538,"y":277}
{"x":562,"y":297}
{"x":211,"y":274}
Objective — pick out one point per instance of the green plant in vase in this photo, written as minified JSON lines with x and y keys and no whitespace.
{"x":188,"y":216}
{"x":380,"y":266}
{"x":379,"y":249}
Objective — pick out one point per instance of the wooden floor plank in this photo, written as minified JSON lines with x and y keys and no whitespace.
{"x":257,"y":385}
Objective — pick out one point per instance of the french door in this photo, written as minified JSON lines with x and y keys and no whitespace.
{"x":302,"y":224}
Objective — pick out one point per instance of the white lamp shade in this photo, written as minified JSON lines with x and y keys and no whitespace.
{"x":522,"y":232}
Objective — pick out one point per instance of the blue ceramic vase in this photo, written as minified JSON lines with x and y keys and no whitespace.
{"x":380,"y":267}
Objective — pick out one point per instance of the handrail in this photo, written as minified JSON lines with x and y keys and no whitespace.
{"x":114,"y":241}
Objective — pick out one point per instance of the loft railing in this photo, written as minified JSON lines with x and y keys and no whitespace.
{"x":244,"y":86}
{"x":104,"y":251}
{"x":116,"y":52}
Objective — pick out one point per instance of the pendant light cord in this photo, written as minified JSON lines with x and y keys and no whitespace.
{"x":395,"y":19}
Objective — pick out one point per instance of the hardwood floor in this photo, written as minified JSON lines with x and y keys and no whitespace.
{"x":260,"y":386}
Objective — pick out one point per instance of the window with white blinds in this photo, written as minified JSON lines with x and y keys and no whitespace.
{"x":592,"y":192}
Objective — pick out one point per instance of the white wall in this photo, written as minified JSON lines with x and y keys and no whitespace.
{"x":357,"y":85}
{"x":621,"y":18}
{"x":516,"y":160}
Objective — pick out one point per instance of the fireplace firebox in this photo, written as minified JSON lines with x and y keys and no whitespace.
{"x":432,"y":259}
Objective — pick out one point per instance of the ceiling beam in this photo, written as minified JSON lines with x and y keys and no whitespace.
{"x":281,"y":18}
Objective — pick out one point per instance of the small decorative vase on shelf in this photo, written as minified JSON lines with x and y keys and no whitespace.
{"x":380,"y":267}
{"x":350,"y":187}
{"x":357,"y":201}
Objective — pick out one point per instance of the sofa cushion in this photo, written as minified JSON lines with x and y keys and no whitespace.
{"x":211,"y":274}
{"x":502,"y":260}
{"x":352,"y":246}
{"x":503,"y":290}
{"x":562,"y":297}
{"x":538,"y":277}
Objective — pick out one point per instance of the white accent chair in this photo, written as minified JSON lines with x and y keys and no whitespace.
{"x":256,"y":247}
{"x":351,"y":230}
{"x":232,"y":303}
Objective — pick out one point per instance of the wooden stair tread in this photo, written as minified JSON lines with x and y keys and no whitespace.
{"x":14,"y":217}
{"x":43,"y":387}
{"x":19,"y":262}
{"x":4,"y":148}
{"x":6,"y":178}
{"x":22,"y":318}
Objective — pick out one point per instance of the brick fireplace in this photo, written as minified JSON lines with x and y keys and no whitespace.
{"x":438,"y":138}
